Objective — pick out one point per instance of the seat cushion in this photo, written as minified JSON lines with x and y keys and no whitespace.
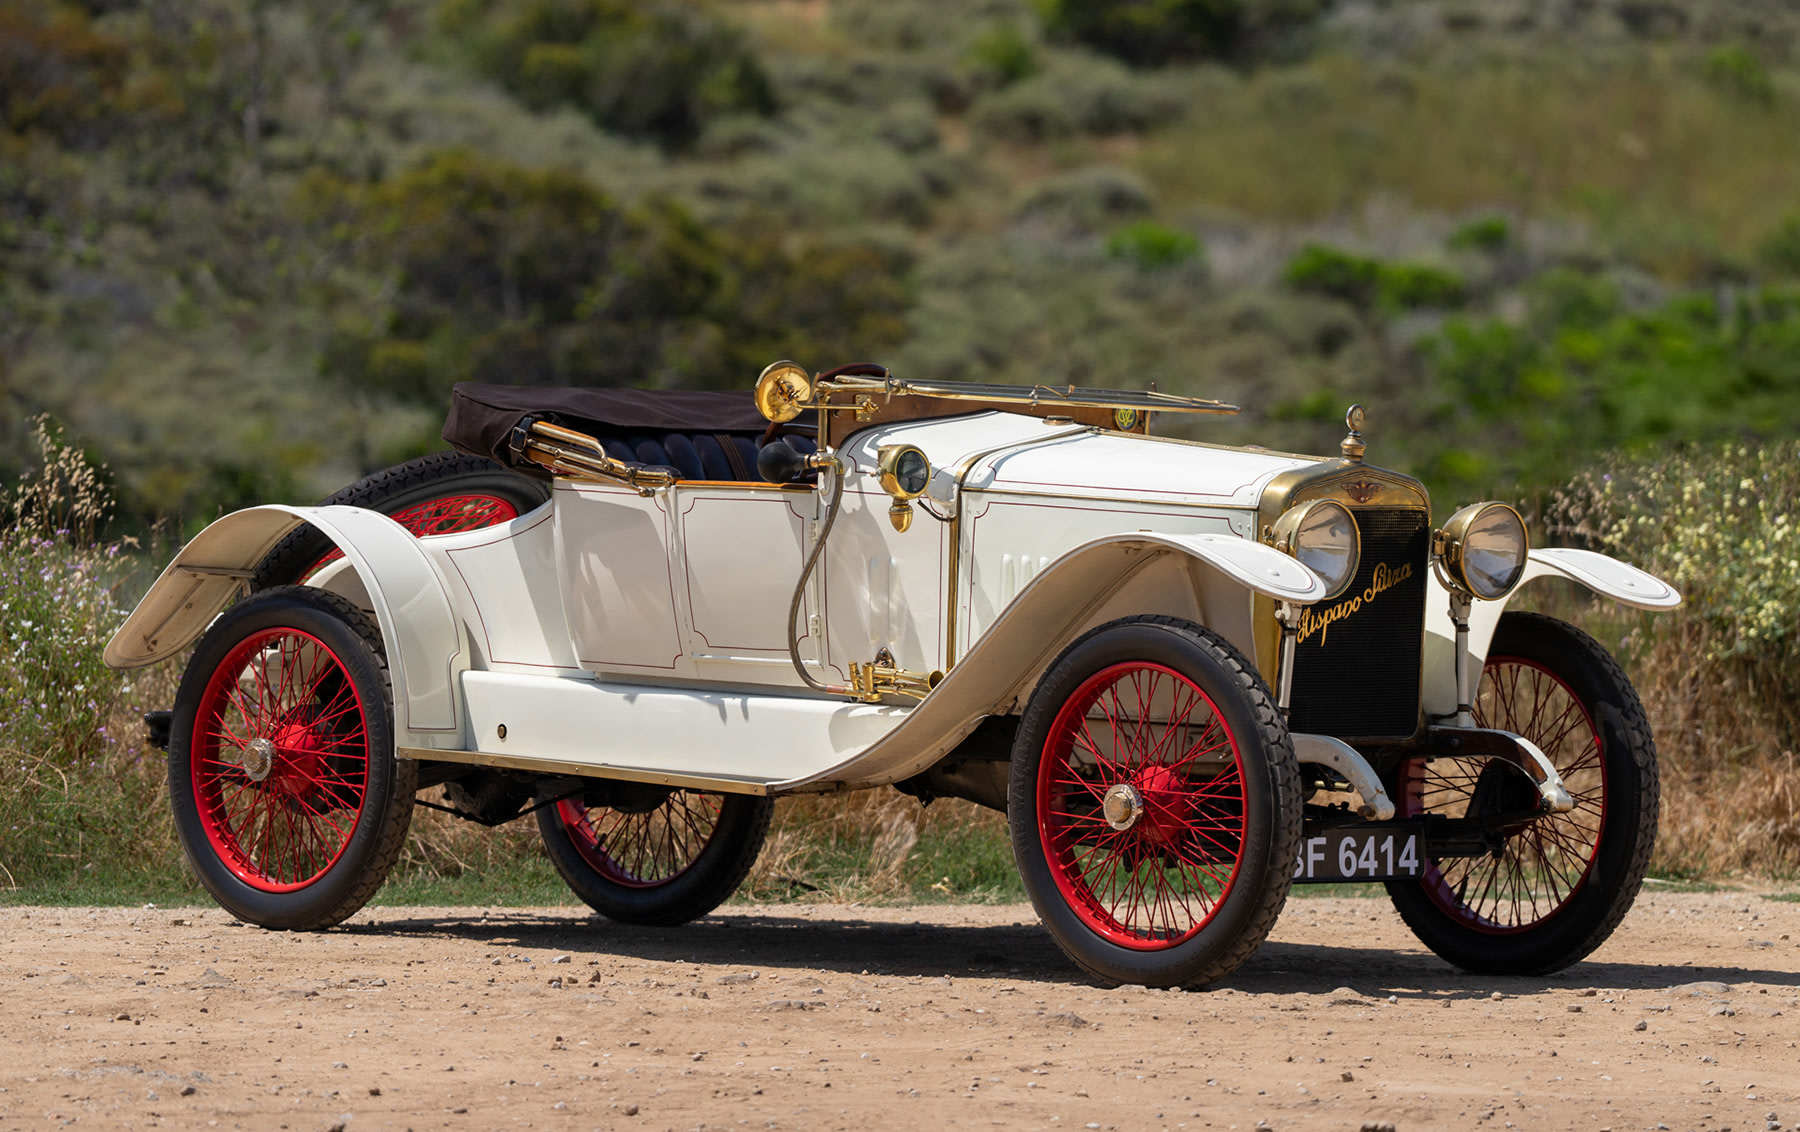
{"x":700,"y":456}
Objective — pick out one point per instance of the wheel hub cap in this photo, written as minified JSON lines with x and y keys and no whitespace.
{"x":259,"y":759}
{"x":1122,"y":806}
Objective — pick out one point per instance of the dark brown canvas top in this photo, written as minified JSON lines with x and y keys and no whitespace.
{"x":482,"y":417}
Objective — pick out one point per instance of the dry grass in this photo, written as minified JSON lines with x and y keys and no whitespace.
{"x":1731,"y":783}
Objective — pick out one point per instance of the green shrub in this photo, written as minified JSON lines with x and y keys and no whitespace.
{"x":1582,"y":372}
{"x":540,"y":277}
{"x":1370,"y":284}
{"x":1721,"y":524}
{"x":1488,"y":234}
{"x":921,"y":25}
{"x":77,"y":777}
{"x":653,"y":69}
{"x":1780,"y":250}
{"x":1157,"y":32}
{"x":1006,"y":52}
{"x":1152,"y":246}
{"x":1087,"y":199}
{"x":1073,"y":97}
{"x":1737,"y":72}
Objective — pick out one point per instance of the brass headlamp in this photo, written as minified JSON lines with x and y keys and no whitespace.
{"x":1482,"y":550}
{"x":1323,"y":535}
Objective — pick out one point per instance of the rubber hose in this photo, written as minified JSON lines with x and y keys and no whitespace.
{"x":793,"y":637}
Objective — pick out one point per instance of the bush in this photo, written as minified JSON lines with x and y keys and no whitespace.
{"x":1780,"y":251}
{"x":78,"y":780}
{"x":527,"y":276}
{"x":646,"y":69}
{"x":1071,"y":98}
{"x":1583,"y":372}
{"x":1006,"y":52}
{"x":1152,"y":246}
{"x":1158,"y":32}
{"x":1740,"y":74}
{"x":1720,"y":675}
{"x":1489,"y":234}
{"x":58,"y":72}
{"x":1369,"y":284}
{"x":1087,"y":199}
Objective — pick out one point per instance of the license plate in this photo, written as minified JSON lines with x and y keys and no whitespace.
{"x":1375,"y":852}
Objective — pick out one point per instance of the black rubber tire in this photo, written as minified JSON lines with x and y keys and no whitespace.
{"x":384,"y":810}
{"x":1271,"y":807}
{"x":391,"y":491}
{"x":722,"y":863}
{"x":1596,"y":903}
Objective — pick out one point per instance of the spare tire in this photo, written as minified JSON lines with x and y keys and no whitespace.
{"x":440,"y":494}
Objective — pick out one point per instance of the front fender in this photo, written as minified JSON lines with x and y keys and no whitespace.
{"x":1608,"y":577}
{"x":405,"y":590}
{"x":1206,"y":578}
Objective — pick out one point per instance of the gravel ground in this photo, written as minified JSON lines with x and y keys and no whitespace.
{"x":846,"y":1017}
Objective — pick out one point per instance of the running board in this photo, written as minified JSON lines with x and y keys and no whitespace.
{"x":717,"y":784}
{"x":748,"y":742}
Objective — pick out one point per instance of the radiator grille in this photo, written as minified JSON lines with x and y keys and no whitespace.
{"x":1356,"y":670}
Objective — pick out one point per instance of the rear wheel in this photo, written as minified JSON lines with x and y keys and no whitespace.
{"x":444,"y":493}
{"x":1558,"y":886}
{"x":1154,"y":804}
{"x":286,"y":793}
{"x":663,"y":856}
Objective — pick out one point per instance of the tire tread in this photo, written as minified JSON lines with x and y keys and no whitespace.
{"x":1284,"y":782}
{"x":1640,"y":746}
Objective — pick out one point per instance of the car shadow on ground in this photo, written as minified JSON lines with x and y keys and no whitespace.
{"x":1023,"y":950}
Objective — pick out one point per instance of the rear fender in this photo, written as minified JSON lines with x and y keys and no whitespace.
{"x":1208,"y":579}
{"x":1608,"y":577}
{"x":399,"y":583}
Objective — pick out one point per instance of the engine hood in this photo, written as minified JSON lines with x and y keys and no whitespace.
{"x":1004,"y":452}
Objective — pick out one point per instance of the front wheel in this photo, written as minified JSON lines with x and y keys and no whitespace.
{"x":287,"y":796}
{"x":1559,"y":886}
{"x":663,"y":856}
{"x":1154,"y":804}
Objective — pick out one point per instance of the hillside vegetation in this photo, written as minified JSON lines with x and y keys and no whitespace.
{"x":246,"y":247}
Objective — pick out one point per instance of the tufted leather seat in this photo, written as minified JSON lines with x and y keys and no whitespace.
{"x":699,"y":455}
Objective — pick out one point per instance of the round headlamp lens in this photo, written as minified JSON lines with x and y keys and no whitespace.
{"x":1323,"y":536}
{"x":1494,"y":551}
{"x":1485,"y":550}
{"x":905,"y":473}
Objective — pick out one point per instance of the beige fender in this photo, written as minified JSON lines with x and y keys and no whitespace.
{"x":410,"y":601}
{"x":1206,"y":578}
{"x":1608,"y":577}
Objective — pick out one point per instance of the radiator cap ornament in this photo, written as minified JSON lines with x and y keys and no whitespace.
{"x":1352,"y":445}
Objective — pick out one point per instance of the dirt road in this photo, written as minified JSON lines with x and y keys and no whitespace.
{"x":830,"y":1017}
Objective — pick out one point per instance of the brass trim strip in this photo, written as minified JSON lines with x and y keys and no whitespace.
{"x":722,"y":784}
{"x":1022,"y":394}
{"x":745,"y":485}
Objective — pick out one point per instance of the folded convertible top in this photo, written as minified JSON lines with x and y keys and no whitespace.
{"x":482,"y":417}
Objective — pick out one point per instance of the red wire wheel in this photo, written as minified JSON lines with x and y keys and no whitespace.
{"x":1141,"y":805}
{"x":645,"y":854}
{"x":647,"y":849}
{"x":280,"y":760}
{"x":1559,"y":884}
{"x":1154,"y":803}
{"x":1544,"y":864}
{"x":286,"y":793}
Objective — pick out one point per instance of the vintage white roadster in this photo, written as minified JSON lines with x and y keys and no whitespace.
{"x":1190,"y":675}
